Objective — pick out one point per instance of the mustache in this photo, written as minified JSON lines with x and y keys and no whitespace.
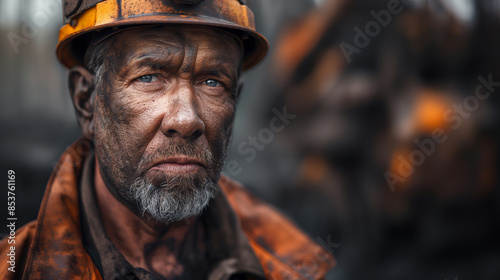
{"x":174,"y":149}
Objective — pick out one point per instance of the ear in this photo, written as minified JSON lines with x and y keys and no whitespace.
{"x":82,"y":89}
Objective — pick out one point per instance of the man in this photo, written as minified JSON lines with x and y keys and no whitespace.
{"x":154,"y":85}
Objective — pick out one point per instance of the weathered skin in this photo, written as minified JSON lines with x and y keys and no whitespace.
{"x":188,"y":100}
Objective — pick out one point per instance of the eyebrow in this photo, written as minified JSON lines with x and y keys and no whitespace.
{"x":149,"y":60}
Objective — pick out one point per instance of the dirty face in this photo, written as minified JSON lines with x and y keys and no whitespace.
{"x":163,"y":115}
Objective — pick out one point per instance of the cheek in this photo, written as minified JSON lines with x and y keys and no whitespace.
{"x":119,"y":131}
{"x":129,"y":115}
{"x":219,"y":118}
{"x":229,"y":118}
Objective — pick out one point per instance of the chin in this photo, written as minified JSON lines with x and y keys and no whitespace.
{"x":176,"y":198}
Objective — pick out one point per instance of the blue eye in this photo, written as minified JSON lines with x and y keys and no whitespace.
{"x":212,"y":83}
{"x":147,"y":78}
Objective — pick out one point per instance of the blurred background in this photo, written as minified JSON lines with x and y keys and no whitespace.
{"x":372,"y":124}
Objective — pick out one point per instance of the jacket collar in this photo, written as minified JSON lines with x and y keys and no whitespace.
{"x":57,"y":251}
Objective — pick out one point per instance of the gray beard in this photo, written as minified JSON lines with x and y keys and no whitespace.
{"x":176,"y":199}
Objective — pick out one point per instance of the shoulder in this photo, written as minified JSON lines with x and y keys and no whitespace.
{"x":14,"y":251}
{"x":283,"y":249}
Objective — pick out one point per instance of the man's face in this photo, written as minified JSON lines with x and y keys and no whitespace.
{"x":163,"y":116}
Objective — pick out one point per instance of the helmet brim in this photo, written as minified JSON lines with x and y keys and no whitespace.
{"x":71,"y":49}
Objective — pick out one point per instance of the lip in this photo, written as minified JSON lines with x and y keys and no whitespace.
{"x":178,"y":165}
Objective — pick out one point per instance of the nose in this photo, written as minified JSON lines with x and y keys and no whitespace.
{"x":182,"y":118}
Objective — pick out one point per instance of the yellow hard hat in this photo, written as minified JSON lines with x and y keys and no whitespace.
{"x":86,"y":17}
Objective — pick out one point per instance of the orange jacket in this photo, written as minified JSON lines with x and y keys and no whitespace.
{"x":51,"y":247}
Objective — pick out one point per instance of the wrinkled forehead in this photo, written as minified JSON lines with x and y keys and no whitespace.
{"x":133,"y":41}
